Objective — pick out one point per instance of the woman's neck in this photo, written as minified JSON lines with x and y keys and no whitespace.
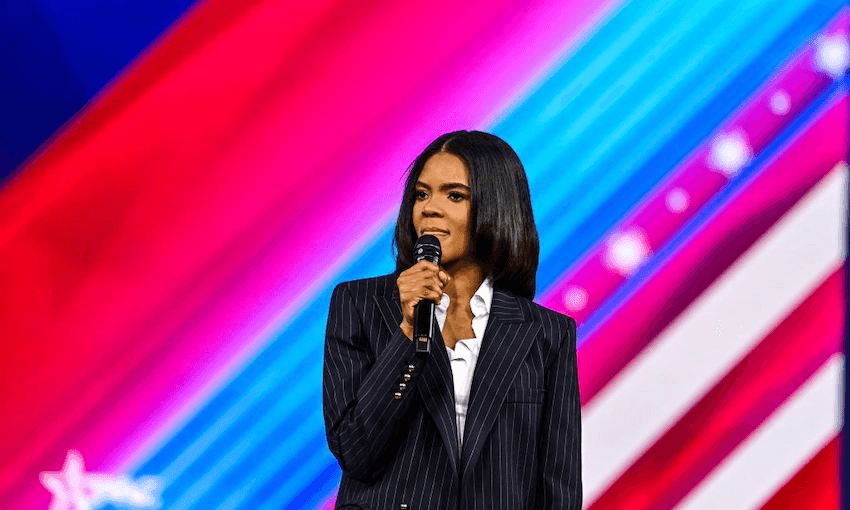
{"x":466,"y":277}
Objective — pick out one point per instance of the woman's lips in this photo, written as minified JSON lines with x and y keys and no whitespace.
{"x":435,"y":232}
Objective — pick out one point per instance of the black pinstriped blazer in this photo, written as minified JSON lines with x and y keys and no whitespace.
{"x":523,"y":429}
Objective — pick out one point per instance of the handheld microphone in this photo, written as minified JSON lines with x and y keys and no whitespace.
{"x":427,"y":247}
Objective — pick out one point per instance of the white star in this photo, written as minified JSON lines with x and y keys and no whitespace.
{"x":780,"y":102}
{"x":627,"y":251}
{"x":74,"y":489}
{"x":677,"y":200}
{"x":833,"y":54}
{"x":575,"y":298}
{"x":69,"y":488}
{"x":730,"y":153}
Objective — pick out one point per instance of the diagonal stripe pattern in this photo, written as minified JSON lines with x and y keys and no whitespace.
{"x":169,"y":254}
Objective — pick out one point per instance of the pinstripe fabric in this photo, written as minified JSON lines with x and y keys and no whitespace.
{"x":523,"y":430}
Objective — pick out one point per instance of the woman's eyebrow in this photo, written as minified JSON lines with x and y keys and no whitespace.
{"x":454,"y":185}
{"x":445,"y":186}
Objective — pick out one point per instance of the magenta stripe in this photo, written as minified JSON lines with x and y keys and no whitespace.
{"x":734,"y":408}
{"x":209,"y":327}
{"x":692,"y":269}
{"x":469,"y":92}
{"x":607,"y":266}
{"x":258,"y":228}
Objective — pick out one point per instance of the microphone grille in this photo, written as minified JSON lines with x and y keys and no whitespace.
{"x":427,"y":247}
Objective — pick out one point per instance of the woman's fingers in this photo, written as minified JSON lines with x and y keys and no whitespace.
{"x":423,"y":280}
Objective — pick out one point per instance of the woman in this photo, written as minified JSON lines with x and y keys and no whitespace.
{"x":489,"y":421}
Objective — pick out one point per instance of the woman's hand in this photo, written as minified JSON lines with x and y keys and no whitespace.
{"x":423,"y":280}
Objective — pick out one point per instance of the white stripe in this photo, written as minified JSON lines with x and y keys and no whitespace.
{"x":782,"y":446}
{"x":713,"y":334}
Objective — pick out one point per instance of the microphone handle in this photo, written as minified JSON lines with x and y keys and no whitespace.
{"x":423,"y":325}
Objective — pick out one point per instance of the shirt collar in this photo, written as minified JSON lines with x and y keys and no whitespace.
{"x":480,"y":302}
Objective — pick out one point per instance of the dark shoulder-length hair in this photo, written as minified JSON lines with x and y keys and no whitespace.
{"x":504,"y":237}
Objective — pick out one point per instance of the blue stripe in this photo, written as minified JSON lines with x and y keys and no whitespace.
{"x":253,"y":417}
{"x":714,"y":207}
{"x":559,"y":250}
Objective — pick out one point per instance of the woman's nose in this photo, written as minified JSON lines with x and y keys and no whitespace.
{"x":431,"y":208}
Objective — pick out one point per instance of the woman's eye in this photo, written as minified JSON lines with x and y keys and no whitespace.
{"x":420,"y":195}
{"x":456,"y":197}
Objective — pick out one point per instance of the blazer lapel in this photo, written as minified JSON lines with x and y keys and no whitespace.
{"x":436,"y":385}
{"x":389,"y":307}
{"x":437,"y":390}
{"x":506,"y":342}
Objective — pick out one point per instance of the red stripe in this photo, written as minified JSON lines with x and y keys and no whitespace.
{"x":655,"y":222}
{"x":736,"y":406}
{"x":677,"y":283}
{"x":190,"y":201}
{"x":186,"y":35}
{"x":814,"y":487}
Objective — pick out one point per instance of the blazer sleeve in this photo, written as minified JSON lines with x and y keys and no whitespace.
{"x":361,"y":408}
{"x":560,"y":448}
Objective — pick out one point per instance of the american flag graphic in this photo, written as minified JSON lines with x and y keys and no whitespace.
{"x":188,"y":181}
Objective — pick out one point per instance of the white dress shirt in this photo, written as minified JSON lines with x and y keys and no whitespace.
{"x":465,"y":354}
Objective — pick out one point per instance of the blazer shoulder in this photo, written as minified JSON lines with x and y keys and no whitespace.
{"x":559,"y":327}
{"x":537,"y":312}
{"x":555,"y":316}
{"x":376,"y":285}
{"x":556,"y":325}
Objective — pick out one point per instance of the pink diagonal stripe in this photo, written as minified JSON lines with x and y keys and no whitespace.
{"x":667,"y":292}
{"x":185,"y":212}
{"x":586,"y":286}
{"x":736,"y":406}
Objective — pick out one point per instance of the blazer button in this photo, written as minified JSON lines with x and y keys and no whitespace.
{"x":411,"y":368}
{"x":404,"y":506}
{"x":398,"y":395}
{"x":402,"y":386}
{"x":406,"y":377}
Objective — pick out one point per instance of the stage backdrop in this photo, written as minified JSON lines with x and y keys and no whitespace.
{"x":183,"y":185}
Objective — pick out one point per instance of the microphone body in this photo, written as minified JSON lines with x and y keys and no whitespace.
{"x":427,"y":247}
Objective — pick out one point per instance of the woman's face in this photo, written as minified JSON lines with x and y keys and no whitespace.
{"x":443,"y":205}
